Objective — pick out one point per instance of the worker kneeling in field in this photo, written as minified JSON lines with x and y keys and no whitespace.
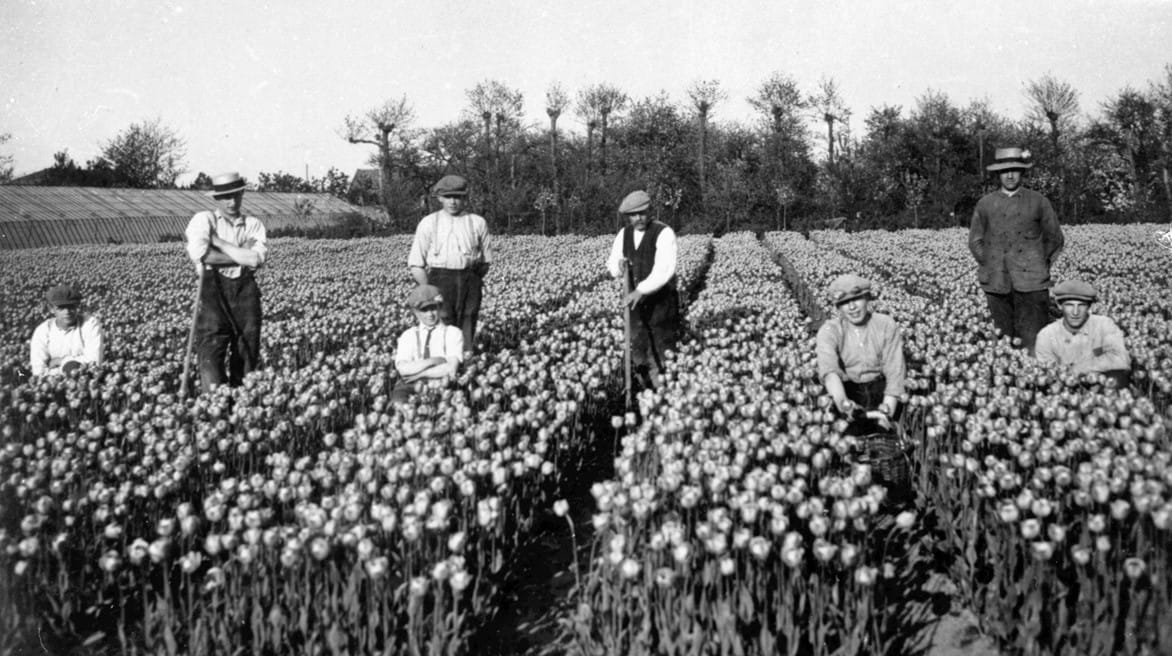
{"x":430,"y":350}
{"x":69,"y":339}
{"x":1082,"y":341}
{"x":645,"y":253}
{"x":860,"y":352}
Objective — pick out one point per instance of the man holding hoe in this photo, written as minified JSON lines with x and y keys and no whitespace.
{"x":644,"y":253}
{"x":227,"y":247}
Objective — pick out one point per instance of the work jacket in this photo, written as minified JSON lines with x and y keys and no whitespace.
{"x":1015,"y":240}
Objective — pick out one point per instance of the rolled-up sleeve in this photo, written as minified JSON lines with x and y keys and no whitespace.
{"x":894,"y":367}
{"x":416,"y":256}
{"x":39,"y":350}
{"x":198,"y":236}
{"x":453,"y":345}
{"x":260,"y":241}
{"x":91,"y":339}
{"x":826,"y":351}
{"x":485,"y":240}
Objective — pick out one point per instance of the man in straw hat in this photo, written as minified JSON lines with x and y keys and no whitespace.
{"x":67,"y":340}
{"x":1081,"y":341}
{"x":451,"y":251}
{"x":1015,"y":238}
{"x":227,"y":247}
{"x":645,"y":250}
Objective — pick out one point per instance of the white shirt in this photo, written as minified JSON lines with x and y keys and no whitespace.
{"x":51,"y":347}
{"x":443,"y":241}
{"x":665,"y":259}
{"x":440,"y":340}
{"x":236,"y":231}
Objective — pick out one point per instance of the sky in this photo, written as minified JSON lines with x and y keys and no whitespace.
{"x":258,"y":86}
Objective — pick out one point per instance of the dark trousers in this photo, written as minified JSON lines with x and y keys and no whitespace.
{"x":1020,"y":314}
{"x":461,"y":290}
{"x":228,"y":324}
{"x":655,"y":328}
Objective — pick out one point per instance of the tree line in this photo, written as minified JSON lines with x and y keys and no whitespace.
{"x":796,"y":164}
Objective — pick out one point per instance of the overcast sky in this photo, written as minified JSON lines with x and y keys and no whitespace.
{"x":255,"y":86}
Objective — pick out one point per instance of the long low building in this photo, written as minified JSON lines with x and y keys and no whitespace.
{"x":57,"y":216}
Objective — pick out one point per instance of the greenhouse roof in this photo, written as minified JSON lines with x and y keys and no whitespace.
{"x":28,"y":203}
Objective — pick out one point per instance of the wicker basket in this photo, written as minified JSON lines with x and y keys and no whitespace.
{"x":888,"y":457}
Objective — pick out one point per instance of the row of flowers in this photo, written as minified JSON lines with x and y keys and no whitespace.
{"x":302,"y":498}
{"x":1054,"y":492}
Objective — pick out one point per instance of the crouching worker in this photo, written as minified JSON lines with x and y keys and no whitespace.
{"x":67,"y":340}
{"x":860,"y":352}
{"x":1081,"y":341}
{"x":429,"y":350}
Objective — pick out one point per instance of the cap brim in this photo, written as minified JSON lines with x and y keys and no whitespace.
{"x":229,"y":192}
{"x":1008,"y":166}
{"x":850,"y":297}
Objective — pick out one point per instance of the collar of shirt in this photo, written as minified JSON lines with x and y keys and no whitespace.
{"x":236,"y":221}
{"x":1010,"y":194}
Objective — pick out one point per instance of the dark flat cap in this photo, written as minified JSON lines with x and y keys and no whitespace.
{"x":450,"y":185}
{"x":63,"y":295}
{"x":1075,"y":290}
{"x":635,"y":202}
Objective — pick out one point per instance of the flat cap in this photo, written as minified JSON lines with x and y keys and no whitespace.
{"x":848,"y":287}
{"x":450,"y":185}
{"x":423,"y":296}
{"x":1074,"y":290}
{"x":635,"y":202}
{"x":63,"y":295}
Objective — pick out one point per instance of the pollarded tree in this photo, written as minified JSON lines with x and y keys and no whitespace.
{"x":375,"y":127}
{"x":493,"y":102}
{"x":1054,"y":103}
{"x":556,"y":101}
{"x":787,"y":147}
{"x":147,"y":155}
{"x":704,"y":95}
{"x":587,"y":110}
{"x":828,"y":106}
{"x":606,"y":101}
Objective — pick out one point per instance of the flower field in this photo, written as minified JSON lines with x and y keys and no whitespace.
{"x":301,"y":513}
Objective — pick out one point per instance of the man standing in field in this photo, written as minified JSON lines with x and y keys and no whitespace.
{"x":227,"y":247}
{"x":1081,"y":341}
{"x":67,"y":340}
{"x":451,"y":252}
{"x":645,"y":250}
{"x":1015,"y":238}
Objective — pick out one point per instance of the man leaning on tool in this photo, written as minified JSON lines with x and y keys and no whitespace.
{"x":451,"y":251}
{"x":648,"y":249}
{"x":227,"y":247}
{"x":1015,"y":238}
